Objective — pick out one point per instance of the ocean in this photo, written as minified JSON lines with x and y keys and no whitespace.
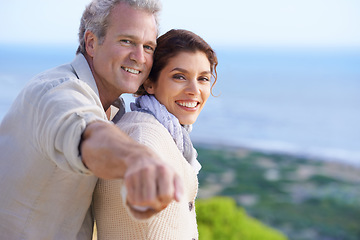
{"x":297,"y":101}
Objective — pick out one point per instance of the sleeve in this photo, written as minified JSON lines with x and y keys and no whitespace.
{"x":149,"y":132}
{"x":61,"y":115}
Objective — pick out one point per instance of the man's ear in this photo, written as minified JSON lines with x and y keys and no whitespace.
{"x":149,"y":86}
{"x":91,"y":42}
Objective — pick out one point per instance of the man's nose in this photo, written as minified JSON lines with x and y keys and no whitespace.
{"x":138,"y":54}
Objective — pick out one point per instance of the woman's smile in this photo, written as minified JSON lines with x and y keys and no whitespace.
{"x":188,"y":104}
{"x":183,"y":85}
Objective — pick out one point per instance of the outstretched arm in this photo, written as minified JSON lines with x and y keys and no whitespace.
{"x":111,"y":154}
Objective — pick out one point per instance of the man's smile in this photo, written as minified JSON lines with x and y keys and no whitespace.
{"x":131,"y":70}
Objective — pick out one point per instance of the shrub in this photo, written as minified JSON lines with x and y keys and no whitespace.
{"x":219,"y":218}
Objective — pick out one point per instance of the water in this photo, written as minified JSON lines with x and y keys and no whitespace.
{"x":305,"y":102}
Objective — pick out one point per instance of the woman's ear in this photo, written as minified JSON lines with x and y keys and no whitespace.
{"x":149,"y":86}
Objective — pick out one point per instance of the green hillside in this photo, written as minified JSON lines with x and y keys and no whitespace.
{"x":303,"y":198}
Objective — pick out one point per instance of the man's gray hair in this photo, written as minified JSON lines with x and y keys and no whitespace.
{"x":95,"y":17}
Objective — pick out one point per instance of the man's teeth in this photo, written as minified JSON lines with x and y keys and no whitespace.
{"x":130,"y":70}
{"x":188,"y":104}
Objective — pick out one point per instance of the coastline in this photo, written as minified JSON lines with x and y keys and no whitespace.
{"x":336,"y":156}
{"x":305,"y":198}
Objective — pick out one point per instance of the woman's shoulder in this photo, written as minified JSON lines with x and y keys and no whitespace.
{"x":139,"y":120}
{"x":143,"y":127}
{"x":146,"y":129}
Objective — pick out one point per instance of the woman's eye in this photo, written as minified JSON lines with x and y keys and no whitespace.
{"x":180,"y":77}
{"x":205,"y":79}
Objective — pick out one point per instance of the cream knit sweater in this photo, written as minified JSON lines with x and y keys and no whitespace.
{"x":177,"y":221}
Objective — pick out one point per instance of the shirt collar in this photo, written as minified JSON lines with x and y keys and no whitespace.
{"x":83,"y":71}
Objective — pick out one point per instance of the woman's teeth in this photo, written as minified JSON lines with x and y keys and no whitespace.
{"x":188,"y":104}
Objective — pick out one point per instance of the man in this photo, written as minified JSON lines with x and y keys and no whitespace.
{"x":56,"y":140}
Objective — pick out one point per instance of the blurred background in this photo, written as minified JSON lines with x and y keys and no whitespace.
{"x":289,"y":71}
{"x":288,"y":74}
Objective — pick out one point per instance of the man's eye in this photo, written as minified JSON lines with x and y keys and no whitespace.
{"x":149,"y":48}
{"x":125,"y":41}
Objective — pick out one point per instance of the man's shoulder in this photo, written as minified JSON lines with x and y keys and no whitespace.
{"x":64,"y":71}
{"x":50,"y":79}
{"x":77,"y":72}
{"x":61,"y":80}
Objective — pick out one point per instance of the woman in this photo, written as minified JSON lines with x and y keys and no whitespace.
{"x":169,"y":102}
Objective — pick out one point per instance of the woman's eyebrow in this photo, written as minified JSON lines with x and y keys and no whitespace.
{"x":179,"y":70}
{"x":206,"y":72}
{"x":186,"y":71}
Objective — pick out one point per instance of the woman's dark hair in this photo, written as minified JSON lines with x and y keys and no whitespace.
{"x":174,"y":42}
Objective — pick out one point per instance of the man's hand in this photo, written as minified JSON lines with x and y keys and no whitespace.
{"x":111,"y":154}
{"x":152,"y":187}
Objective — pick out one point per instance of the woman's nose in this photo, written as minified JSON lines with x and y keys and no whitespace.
{"x":193,"y":87}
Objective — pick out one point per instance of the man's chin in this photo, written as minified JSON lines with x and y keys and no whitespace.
{"x":130,"y":90}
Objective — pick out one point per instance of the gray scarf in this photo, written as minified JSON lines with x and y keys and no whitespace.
{"x":180,"y":133}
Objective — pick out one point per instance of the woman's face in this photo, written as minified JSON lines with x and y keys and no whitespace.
{"x":183,"y":86}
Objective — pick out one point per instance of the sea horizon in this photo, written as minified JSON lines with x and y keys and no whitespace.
{"x":297,"y":101}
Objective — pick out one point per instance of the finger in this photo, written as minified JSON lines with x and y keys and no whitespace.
{"x":133,"y":184}
{"x":179,"y":188}
{"x":148,"y":187}
{"x":165,"y":192}
{"x":142,"y":188}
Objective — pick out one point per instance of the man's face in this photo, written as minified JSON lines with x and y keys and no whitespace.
{"x":124,"y":59}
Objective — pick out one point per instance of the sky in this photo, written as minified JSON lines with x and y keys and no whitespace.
{"x":258,"y":23}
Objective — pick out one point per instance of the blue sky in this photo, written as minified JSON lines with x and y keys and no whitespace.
{"x":289,"y":23}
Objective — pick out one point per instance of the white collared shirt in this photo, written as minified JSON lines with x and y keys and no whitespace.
{"x":45,"y":189}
